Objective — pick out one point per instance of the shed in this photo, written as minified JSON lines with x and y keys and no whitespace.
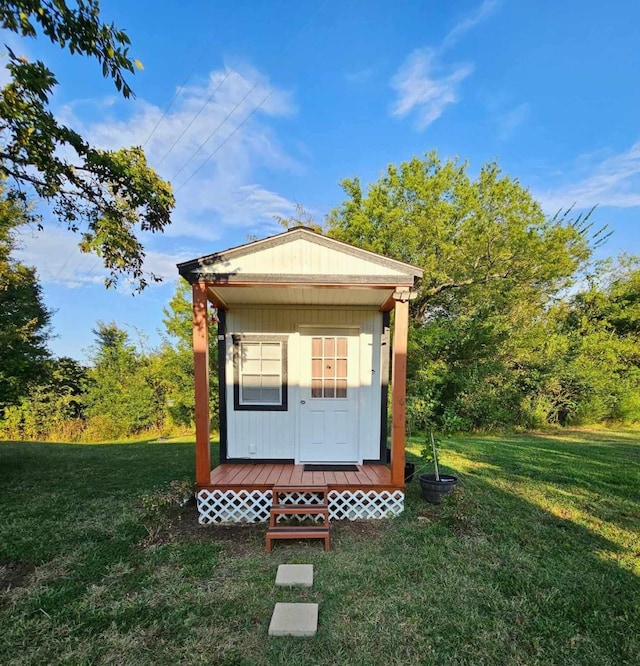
{"x":303,"y":364}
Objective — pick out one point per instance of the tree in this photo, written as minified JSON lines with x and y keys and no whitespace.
{"x":24,"y":319}
{"x":596,"y":354}
{"x":109,"y":196}
{"x":299,"y":218}
{"x":120,"y":395}
{"x":486,"y":237}
{"x":493,"y":263}
{"x":53,"y":406}
{"x":174,"y":362}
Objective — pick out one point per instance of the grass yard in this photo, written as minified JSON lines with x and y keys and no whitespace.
{"x":534,"y":560}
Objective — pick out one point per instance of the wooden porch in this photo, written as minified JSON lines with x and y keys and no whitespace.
{"x":245,"y":476}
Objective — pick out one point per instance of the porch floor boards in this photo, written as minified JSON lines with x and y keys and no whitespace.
{"x":239,"y":476}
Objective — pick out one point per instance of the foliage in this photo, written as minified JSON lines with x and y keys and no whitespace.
{"x":127,"y":390}
{"x":52,"y":409}
{"x":429,"y":453}
{"x":174,"y":362}
{"x":24,"y":319}
{"x":495,"y":341}
{"x":110,"y":196}
{"x":487,"y":237}
{"x":161,"y":505}
{"x":119,"y":392}
{"x":299,"y":218}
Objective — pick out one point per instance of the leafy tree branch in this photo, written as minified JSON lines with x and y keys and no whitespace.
{"x":110,"y":196}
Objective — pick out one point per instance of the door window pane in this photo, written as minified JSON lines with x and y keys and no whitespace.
{"x":329,"y":347}
{"x":316,"y":347}
{"x":328,"y":362}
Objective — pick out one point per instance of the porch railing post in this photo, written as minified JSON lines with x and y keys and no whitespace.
{"x":201,"y":383}
{"x":399,"y":389}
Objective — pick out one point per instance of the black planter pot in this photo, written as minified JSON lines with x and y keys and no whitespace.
{"x":433,"y":491}
{"x":409,"y":469}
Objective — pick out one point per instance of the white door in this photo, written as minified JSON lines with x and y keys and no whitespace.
{"x":329,"y":378}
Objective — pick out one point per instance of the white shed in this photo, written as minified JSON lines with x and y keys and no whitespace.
{"x":304,"y":352}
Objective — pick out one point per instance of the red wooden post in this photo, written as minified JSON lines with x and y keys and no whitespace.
{"x":399,"y":391}
{"x":201,"y":382}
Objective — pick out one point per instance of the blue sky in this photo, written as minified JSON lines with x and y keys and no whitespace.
{"x":249,"y":108}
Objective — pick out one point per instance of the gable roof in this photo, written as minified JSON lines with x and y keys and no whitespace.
{"x":299,"y":255}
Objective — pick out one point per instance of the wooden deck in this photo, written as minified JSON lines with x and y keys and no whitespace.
{"x":240,"y":476}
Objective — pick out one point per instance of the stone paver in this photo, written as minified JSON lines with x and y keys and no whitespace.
{"x":295,"y":575}
{"x":294,"y":620}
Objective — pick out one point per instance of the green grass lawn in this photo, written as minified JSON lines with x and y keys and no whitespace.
{"x":534,"y":560}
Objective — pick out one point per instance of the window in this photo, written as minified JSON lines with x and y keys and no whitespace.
{"x":329,"y":367}
{"x":260,"y":377}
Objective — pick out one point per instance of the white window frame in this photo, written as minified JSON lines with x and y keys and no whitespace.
{"x":239,"y":403}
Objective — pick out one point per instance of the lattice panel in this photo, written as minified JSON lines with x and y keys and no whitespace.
{"x":231,"y":506}
{"x":300,"y":498}
{"x":361,"y":504}
{"x":252,"y":506}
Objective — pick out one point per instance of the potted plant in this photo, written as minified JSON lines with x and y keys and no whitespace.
{"x":435,"y":486}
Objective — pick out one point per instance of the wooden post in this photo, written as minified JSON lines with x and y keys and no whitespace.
{"x":201,"y":382}
{"x":399,"y":391}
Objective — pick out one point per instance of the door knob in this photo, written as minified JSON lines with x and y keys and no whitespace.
{"x":302,"y":402}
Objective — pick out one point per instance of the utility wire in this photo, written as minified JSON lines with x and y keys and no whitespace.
{"x":202,"y":108}
{"x":66,"y":261}
{"x":224,"y":120}
{"x":225,"y":141}
{"x":175,"y":97}
{"x":309,"y":21}
{"x":178,"y":92}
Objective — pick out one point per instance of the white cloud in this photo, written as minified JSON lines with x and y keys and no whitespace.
{"x":613,"y":181}
{"x":55,"y":253}
{"x":486,"y":9}
{"x":427,"y":86}
{"x":216,"y":156}
{"x":12,"y":41}
{"x":59,"y":260}
{"x":510,"y":121}
{"x":227,"y":141}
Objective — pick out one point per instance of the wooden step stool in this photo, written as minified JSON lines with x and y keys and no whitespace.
{"x":298,"y":531}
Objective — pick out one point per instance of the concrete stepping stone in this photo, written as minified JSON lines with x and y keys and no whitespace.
{"x":295,"y":575}
{"x":294,"y":620}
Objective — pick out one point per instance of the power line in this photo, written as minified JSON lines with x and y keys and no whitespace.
{"x":309,"y":21}
{"x":224,"y":120}
{"x":202,"y":108}
{"x":177,"y":173}
{"x":66,"y":261}
{"x":225,"y":141}
{"x":177,"y":93}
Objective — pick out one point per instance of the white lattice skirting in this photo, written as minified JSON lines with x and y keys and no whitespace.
{"x":252,"y":506}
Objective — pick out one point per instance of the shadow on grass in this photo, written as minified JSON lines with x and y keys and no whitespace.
{"x":605,"y":472}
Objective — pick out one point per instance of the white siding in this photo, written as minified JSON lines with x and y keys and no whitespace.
{"x":302,"y":257}
{"x":274,"y":434}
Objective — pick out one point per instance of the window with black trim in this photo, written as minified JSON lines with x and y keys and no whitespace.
{"x":260,"y":372}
